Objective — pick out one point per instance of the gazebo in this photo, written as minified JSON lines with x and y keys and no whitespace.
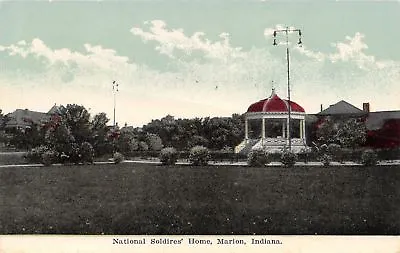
{"x":266,"y":124}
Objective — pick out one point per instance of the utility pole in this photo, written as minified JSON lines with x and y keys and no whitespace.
{"x":286,"y":32}
{"x":115,"y":90}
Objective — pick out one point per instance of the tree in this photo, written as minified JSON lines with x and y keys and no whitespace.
{"x":127,"y":141}
{"x":60,"y":139}
{"x":170,"y":131}
{"x":327,"y":132}
{"x":352,"y":133}
{"x":100,"y":134}
{"x":222,"y":132}
{"x":77,"y":118}
{"x":2,"y":120}
{"x":26,"y":138}
{"x":154,"y":142}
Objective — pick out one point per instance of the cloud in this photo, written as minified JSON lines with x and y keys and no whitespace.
{"x":95,"y":56}
{"x":352,"y":50}
{"x":171,"y":40}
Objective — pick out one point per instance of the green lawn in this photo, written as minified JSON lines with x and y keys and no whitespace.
{"x":149,"y":199}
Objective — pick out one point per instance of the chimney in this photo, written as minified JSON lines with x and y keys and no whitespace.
{"x":366,"y":107}
{"x":321,"y":108}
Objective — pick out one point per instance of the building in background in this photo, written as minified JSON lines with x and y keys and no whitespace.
{"x":22,"y":119}
{"x":383,"y":127}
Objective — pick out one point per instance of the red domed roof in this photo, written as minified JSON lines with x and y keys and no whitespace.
{"x":274,"y":104}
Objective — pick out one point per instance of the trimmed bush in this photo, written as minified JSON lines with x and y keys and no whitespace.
{"x":118,"y":158}
{"x":35,"y":154}
{"x":87,"y":152}
{"x":168,"y":156}
{"x":199,"y":155}
{"x":369,"y":157}
{"x":326,"y":159}
{"x":288,"y":159}
{"x":258,"y":158}
{"x":49,"y":157}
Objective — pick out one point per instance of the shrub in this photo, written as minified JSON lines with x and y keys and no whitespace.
{"x":143,"y":146}
{"x":168,"y":156}
{"x":258,"y":158}
{"x":35,"y":154}
{"x":49,"y":157}
{"x":87,"y":152}
{"x":74,"y":154}
{"x":305,"y":154}
{"x":335,"y":151}
{"x":154,"y":142}
{"x":326,"y":159}
{"x":323,"y":149}
{"x":369,"y":157}
{"x":118,"y":157}
{"x":199,"y":155}
{"x":288,"y":158}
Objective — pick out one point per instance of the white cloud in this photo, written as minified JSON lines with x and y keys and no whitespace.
{"x":175,"y":39}
{"x":352,"y":49}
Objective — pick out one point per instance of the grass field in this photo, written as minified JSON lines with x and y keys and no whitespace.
{"x":148,"y":199}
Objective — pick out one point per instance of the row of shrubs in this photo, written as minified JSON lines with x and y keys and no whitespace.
{"x":335,"y":152}
{"x":200,"y":155}
{"x":259,"y":158}
{"x":48,"y":155}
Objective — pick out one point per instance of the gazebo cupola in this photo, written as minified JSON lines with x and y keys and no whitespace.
{"x":266,"y":124}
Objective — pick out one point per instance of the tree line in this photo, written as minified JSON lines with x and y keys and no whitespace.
{"x":73,"y":125}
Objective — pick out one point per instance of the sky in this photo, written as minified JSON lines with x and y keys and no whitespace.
{"x":196,"y":58}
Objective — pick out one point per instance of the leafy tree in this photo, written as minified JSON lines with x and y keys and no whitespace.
{"x":221,"y":132}
{"x":327,"y":132}
{"x":100,"y":140}
{"x":26,"y":138}
{"x":352,"y":133}
{"x":127,"y":141}
{"x":154,"y":142}
{"x":77,"y":118}
{"x":60,"y":139}
{"x":3,"y":120}
{"x":169,"y":130}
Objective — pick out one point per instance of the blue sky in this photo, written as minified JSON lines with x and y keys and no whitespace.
{"x":196,"y":58}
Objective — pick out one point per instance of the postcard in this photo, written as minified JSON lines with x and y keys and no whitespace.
{"x":220,"y":125}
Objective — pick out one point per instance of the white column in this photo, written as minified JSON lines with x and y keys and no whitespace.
{"x":263,"y":129}
{"x":287,"y":129}
{"x":246,"y":129}
{"x":301,"y":128}
{"x":283,"y":129}
{"x":304,"y":128}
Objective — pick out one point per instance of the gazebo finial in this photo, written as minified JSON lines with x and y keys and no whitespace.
{"x":273,"y":89}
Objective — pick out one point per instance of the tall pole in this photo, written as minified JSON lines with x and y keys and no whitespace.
{"x":286,"y":32}
{"x":115,"y":90}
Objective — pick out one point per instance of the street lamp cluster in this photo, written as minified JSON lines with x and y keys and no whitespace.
{"x":286,"y":32}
